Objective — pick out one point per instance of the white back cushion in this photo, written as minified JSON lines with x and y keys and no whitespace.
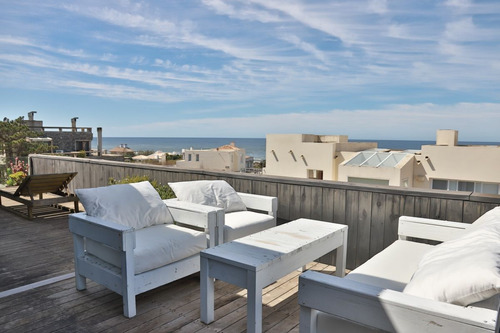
{"x":461,"y":271}
{"x":491,"y":216}
{"x":216,"y":193}
{"x":137,"y":205}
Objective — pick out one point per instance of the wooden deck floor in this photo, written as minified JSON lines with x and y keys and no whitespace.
{"x":41,"y":250}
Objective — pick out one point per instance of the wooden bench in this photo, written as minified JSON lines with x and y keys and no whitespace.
{"x":38,"y":185}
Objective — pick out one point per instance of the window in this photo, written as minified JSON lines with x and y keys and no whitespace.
{"x":466,"y":186}
{"x":439,"y":184}
{"x":189,"y":157}
{"x":314,"y":174}
{"x":456,"y":185}
{"x":490,"y":188}
{"x":197,"y":157}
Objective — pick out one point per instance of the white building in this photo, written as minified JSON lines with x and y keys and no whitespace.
{"x":308,"y":155}
{"x":225,"y":158}
{"x":449,"y":166}
{"x":445,"y":165}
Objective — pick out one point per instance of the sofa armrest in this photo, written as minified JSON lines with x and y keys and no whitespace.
{"x":384,"y":309}
{"x":260,"y":202}
{"x":114,"y":235}
{"x":196,"y":215}
{"x":437,"y":230}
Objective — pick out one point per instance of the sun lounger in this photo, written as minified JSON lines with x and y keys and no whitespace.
{"x":32,"y":189}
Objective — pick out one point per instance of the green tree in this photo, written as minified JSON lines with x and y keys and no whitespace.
{"x":13,"y":134}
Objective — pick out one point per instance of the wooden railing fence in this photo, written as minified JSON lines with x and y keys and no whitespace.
{"x":371,"y":212}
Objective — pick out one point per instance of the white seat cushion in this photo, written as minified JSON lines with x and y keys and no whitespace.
{"x":393,"y":267}
{"x":160,"y":245}
{"x":244,"y":223}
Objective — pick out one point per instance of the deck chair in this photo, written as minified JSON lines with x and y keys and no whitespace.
{"x":37,"y":185}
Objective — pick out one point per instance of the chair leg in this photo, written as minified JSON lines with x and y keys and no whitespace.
{"x":81,"y":281}
{"x":129,"y":309}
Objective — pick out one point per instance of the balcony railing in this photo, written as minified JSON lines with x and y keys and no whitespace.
{"x":371,"y":212}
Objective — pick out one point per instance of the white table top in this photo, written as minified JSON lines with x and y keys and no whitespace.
{"x":262,"y":249}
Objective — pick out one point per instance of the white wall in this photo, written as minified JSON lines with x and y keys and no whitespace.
{"x":292,"y":155}
{"x":221,"y":160}
{"x":466,"y":163}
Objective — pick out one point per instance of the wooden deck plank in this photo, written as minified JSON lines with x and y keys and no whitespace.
{"x":31,"y":251}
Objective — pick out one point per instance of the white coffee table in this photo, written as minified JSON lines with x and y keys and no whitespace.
{"x":255,"y":261}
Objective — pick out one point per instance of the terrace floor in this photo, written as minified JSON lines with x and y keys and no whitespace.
{"x":37,"y":290}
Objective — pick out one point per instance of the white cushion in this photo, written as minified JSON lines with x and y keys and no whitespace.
{"x":393,"y":267}
{"x":216,"y":193}
{"x":136,"y":205}
{"x":244,"y":223}
{"x":491,"y":216}
{"x":461,"y":271}
{"x":161,"y":245}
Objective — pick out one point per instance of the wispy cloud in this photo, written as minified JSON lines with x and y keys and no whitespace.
{"x":425,"y":119}
{"x":296,"y":58}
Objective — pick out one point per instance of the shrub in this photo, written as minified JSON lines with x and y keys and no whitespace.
{"x":164,"y":191}
{"x":15,"y":178}
{"x":16,"y":172}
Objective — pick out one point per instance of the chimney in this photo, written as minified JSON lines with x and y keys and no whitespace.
{"x":73,"y":124}
{"x":31,"y":115}
{"x":99,"y":141}
{"x":447,"y":138}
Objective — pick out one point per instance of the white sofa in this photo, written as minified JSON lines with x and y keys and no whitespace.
{"x":377,"y":295}
{"x":128,"y":256}
{"x":244,"y":213}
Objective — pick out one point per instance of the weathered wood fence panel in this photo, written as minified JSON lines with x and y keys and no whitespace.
{"x":371,"y":212}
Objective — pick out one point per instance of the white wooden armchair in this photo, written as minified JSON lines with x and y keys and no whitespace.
{"x":157,"y":245}
{"x":244,"y":213}
{"x":381,"y":295}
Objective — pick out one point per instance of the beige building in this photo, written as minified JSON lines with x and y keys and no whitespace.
{"x":225,"y":158}
{"x":445,"y":165}
{"x":308,"y":155}
{"x":449,"y":166}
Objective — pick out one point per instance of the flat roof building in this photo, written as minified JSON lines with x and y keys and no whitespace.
{"x":309,"y":155}
{"x":224,"y":158}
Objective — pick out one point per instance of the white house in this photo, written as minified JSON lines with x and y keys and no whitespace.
{"x":224,"y":158}
{"x":309,"y":155}
{"x":445,"y":165}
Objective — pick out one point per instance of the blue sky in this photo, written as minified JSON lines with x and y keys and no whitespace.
{"x":243,"y":68}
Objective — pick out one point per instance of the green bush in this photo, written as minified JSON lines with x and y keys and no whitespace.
{"x":164,"y":191}
{"x":15,"y":178}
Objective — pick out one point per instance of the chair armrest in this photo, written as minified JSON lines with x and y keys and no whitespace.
{"x":437,"y":230}
{"x":114,"y":235}
{"x":384,"y":309}
{"x":196,"y":215}
{"x":260,"y":202}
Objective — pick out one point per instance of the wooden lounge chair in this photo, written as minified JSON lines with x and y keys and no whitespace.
{"x":56,"y":184}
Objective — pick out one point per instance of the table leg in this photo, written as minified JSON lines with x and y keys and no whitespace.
{"x":341,"y":256}
{"x":207,"y":292}
{"x":254,"y":304}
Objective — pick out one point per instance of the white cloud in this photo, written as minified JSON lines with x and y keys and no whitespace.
{"x":393,"y":122}
{"x":243,"y":13}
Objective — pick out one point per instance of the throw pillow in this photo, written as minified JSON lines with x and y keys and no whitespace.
{"x":136,"y":205}
{"x":216,"y":193}
{"x":461,"y":271}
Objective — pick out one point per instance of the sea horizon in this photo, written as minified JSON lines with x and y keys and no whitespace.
{"x":255,"y":147}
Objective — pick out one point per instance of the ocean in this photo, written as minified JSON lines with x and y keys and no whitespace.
{"x":255,"y":147}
